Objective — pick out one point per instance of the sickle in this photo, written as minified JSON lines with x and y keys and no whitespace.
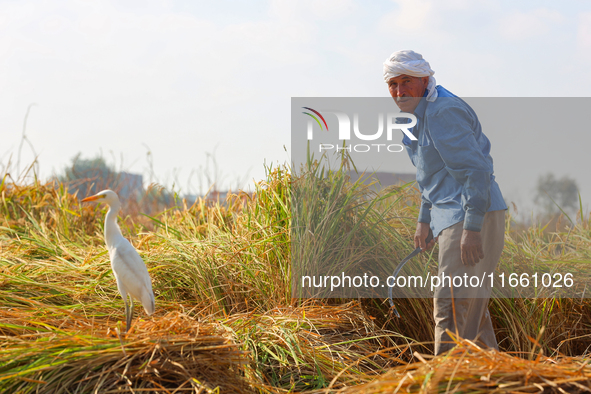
{"x":399,"y":267}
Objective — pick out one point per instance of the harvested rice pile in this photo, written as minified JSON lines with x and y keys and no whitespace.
{"x":315,"y":348}
{"x":73,"y":354}
{"x":470,"y":369}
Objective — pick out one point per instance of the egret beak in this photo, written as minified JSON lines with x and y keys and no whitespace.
{"x":91,"y":198}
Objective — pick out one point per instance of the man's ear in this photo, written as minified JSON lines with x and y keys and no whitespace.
{"x":425,"y":81}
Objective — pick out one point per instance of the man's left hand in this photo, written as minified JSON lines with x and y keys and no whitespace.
{"x":471,"y":247}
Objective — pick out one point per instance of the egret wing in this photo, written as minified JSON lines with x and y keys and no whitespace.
{"x":132,"y":274}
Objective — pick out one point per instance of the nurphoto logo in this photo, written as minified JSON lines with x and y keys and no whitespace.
{"x":380,"y":143}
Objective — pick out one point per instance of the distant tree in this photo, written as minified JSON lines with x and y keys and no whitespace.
{"x":89,"y":176}
{"x":563,"y":191}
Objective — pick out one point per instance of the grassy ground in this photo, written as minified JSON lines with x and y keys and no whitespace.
{"x":225,"y":318}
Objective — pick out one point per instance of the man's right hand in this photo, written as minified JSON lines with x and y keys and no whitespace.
{"x":421,"y":235}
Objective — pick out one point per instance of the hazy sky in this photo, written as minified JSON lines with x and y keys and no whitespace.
{"x":184,"y":79}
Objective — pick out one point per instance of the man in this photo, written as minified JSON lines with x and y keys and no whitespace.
{"x":461,"y":202}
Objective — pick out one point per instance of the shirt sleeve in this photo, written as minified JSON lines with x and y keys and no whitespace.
{"x":452,"y":133}
{"x":425,"y":210}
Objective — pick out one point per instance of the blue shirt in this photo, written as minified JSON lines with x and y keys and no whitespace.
{"x":454,"y":166}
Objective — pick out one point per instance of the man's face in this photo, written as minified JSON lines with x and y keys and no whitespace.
{"x":407,"y":91}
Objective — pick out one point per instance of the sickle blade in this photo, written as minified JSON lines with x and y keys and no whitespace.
{"x":399,"y":267}
{"x":396,"y":272}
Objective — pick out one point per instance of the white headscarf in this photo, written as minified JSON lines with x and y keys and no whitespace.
{"x":409,"y":62}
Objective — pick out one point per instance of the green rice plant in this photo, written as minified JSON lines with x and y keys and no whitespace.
{"x":341,"y":227}
{"x":231,"y":257}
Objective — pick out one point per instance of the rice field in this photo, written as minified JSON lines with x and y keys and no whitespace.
{"x":225,"y":318}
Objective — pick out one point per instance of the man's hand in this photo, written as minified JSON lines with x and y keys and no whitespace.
{"x":471,"y":247}
{"x":421,"y":235}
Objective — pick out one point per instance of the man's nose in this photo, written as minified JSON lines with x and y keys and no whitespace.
{"x":396,"y":91}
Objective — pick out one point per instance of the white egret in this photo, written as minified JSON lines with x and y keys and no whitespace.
{"x":129,"y":269}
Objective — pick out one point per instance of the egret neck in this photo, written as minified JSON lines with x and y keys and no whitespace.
{"x":112,"y":231}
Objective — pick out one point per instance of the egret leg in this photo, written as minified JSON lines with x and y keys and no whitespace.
{"x":129,"y":313}
{"x":126,"y":314}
